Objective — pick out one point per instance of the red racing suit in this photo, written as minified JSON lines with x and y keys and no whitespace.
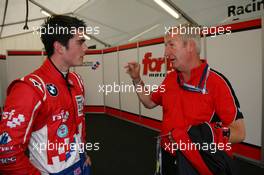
{"x":183,"y":108}
{"x":44,"y":113}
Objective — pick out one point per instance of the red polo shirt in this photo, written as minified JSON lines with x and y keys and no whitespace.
{"x":183,"y":108}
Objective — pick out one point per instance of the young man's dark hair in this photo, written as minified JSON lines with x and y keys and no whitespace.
{"x":59,"y":28}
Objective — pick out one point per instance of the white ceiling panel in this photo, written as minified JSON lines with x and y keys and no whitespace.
{"x":18,"y":28}
{"x":120,"y":20}
{"x":126,"y":15}
{"x":62,"y":6}
{"x":16,"y":11}
{"x":104,"y":30}
{"x":2,"y":9}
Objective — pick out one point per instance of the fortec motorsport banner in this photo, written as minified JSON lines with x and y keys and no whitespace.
{"x":152,"y":66}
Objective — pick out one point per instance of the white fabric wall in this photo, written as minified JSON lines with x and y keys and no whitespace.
{"x":92,"y":79}
{"x":19,"y":66}
{"x":16,"y":67}
{"x":27,"y":41}
{"x":128,"y":99}
{"x":111,"y":76}
{"x":239,"y":56}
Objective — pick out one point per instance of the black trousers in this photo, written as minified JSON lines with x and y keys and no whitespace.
{"x":176,"y":165}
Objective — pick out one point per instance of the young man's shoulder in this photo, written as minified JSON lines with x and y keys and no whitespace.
{"x":31,"y":81}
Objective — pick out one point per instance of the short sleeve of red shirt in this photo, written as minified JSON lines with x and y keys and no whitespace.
{"x":226,"y":103}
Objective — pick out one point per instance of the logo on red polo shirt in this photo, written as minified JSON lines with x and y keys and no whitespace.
{"x":153,"y":66}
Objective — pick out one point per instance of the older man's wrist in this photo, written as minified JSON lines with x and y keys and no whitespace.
{"x":137,"y":81}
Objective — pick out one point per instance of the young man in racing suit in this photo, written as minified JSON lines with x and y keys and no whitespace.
{"x":44,"y":110}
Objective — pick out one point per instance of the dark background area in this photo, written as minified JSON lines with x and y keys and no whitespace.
{"x":129,"y":149}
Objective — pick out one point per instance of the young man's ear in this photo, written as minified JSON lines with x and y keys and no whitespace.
{"x":58,"y":48}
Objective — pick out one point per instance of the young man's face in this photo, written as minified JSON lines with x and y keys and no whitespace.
{"x":176,"y":51}
{"x":73,"y":56}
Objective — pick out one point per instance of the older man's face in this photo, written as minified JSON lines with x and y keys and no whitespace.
{"x":176,"y":51}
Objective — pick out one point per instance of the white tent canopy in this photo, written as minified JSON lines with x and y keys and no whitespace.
{"x":120,"y":20}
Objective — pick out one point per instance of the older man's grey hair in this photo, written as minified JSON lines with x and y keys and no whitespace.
{"x":189,"y":32}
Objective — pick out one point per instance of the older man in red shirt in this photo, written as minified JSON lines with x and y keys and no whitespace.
{"x":195,"y":95}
